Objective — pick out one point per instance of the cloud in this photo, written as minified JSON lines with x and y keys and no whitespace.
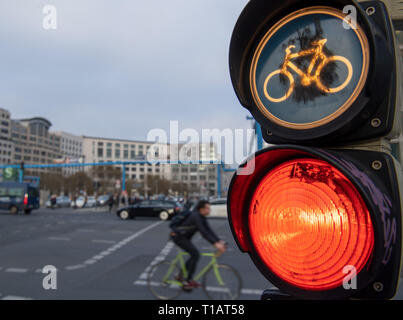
{"x":120,"y":68}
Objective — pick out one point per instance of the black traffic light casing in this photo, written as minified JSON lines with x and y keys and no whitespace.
{"x":373,"y":112}
{"x":374,"y":175}
{"x":356,"y":141}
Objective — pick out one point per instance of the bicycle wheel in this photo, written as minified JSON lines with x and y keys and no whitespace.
{"x":222,"y":282}
{"x":289,"y":91}
{"x":162,"y":282}
{"x":349,"y":67}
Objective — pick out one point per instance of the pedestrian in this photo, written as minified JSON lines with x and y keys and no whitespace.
{"x":110,"y":203}
{"x":116,"y":200}
{"x":53,"y":201}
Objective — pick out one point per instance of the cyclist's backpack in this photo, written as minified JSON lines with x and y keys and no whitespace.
{"x":179,"y":218}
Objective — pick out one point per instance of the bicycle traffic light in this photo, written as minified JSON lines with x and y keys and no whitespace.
{"x":322,"y":208}
{"x":310,"y":75}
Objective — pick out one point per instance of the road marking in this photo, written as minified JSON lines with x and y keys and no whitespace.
{"x":16,"y":270}
{"x":121,"y":232}
{"x":252,"y":292}
{"x":79,"y":266}
{"x":59,"y":239}
{"x":256,"y":292}
{"x":104,"y":241}
{"x":99,"y":256}
{"x":162,"y":255}
{"x":15,"y":298}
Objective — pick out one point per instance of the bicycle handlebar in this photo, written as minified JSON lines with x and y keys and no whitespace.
{"x":218,"y":253}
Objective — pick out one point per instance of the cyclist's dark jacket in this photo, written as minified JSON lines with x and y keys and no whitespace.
{"x":193,"y":223}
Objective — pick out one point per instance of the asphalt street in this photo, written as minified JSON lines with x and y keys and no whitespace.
{"x":98,"y":256}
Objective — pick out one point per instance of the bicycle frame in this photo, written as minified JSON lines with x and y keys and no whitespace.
{"x":180,"y":261}
{"x":318,"y":54}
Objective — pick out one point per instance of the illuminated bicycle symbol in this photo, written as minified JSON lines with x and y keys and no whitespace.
{"x":308,"y":77}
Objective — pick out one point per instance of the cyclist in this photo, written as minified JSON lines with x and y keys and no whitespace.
{"x":182,"y":235}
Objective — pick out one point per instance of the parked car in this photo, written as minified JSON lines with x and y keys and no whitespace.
{"x":79,"y":203}
{"x":61,"y":202}
{"x":103,"y":200}
{"x":218,"y":208}
{"x":150,"y":208}
{"x":15,"y":196}
{"x":91,"y":202}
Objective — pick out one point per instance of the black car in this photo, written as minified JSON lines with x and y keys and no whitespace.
{"x":164,"y":209}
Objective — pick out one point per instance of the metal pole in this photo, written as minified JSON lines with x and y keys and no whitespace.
{"x":259,"y":136}
{"x":123,"y":177}
{"x":219,"y":180}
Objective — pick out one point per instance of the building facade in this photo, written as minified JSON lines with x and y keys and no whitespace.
{"x":101,"y":150}
{"x":201,"y":179}
{"x":34,"y":144}
{"x":6,"y":144}
{"x":72,"y":151}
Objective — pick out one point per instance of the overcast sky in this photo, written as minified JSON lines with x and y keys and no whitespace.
{"x":119,"y":68}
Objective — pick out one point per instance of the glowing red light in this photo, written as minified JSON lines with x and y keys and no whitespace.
{"x":307,"y":222}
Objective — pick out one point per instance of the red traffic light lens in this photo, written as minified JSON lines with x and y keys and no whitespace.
{"x":307,"y":222}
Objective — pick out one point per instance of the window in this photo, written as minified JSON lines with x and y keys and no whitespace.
{"x":16,"y":192}
{"x":132,"y":154}
{"x":100,"y":152}
{"x":109,"y":153}
{"x":126,"y":154}
{"x":117,"y":153}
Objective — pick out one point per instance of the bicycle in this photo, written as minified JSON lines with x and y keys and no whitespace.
{"x":308,"y":77}
{"x":165,"y":279}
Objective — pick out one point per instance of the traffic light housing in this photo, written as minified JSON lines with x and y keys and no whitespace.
{"x":309,"y":111}
{"x":307,"y":213}
{"x":322,"y":78}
